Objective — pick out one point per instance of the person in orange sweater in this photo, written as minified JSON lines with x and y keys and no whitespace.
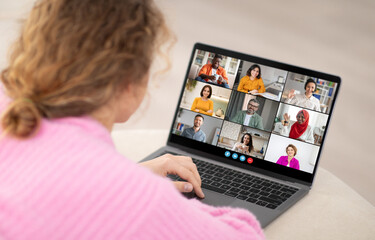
{"x":203,"y":104}
{"x":213,"y":73}
{"x":252,"y":82}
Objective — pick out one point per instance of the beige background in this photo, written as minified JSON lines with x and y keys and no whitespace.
{"x":331,"y":36}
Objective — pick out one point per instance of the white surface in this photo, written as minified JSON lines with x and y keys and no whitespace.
{"x":332,"y":210}
{"x":334,"y":36}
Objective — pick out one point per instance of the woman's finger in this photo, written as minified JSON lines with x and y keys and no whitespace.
{"x":189,"y":164}
{"x":189,"y":176}
{"x":183,"y":186}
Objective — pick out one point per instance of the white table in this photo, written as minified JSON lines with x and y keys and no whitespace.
{"x":332,"y":210}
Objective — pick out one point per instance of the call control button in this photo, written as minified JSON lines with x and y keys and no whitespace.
{"x":227,"y":153}
{"x":250,"y":160}
{"x":234,"y":155}
{"x":242,"y":158}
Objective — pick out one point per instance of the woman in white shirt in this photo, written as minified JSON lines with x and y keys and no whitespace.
{"x":245,"y":146}
{"x":298,"y":130}
{"x":306,"y":100}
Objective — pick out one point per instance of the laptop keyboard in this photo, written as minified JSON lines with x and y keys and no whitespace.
{"x":240,"y":185}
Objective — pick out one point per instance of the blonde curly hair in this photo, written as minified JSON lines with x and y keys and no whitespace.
{"x":74,"y":55}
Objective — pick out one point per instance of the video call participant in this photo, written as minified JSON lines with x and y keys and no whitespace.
{"x":69,"y":181}
{"x":249,"y":117}
{"x":203,"y":104}
{"x":306,"y":100}
{"x":195,"y":132}
{"x":289,"y":160}
{"x":245,"y":146}
{"x":214,"y":73}
{"x":298,"y":130}
{"x":252,"y":82}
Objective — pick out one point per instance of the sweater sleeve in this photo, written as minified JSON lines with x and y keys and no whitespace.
{"x":262,"y":89}
{"x":194,"y":106}
{"x":280,"y":160}
{"x":240,"y":86}
{"x":174,"y":217}
{"x":210,"y":106}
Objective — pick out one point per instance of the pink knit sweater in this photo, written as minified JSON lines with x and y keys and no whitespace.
{"x":68,"y":182}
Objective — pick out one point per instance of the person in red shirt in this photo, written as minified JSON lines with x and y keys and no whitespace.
{"x":214,"y":73}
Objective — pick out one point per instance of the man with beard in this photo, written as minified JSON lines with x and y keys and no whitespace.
{"x":195,"y":132}
{"x":249,"y":117}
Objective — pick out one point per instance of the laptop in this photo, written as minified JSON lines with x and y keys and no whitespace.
{"x":257,"y":150}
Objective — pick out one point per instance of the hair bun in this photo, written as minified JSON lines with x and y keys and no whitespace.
{"x":21,"y":118}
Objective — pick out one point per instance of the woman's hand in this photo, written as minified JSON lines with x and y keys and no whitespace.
{"x":291,"y":94}
{"x":210,"y":111}
{"x":177,"y":165}
{"x":196,"y":110}
{"x":253,"y":91}
{"x":245,"y":148}
{"x":286,"y":119}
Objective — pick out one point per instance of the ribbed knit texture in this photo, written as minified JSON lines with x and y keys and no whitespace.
{"x":68,"y":182}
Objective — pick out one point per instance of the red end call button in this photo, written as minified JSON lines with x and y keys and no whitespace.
{"x":250,"y":160}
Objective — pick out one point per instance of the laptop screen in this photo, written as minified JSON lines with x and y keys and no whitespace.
{"x":253,"y":112}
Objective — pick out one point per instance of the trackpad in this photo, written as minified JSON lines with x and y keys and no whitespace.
{"x":212,"y":198}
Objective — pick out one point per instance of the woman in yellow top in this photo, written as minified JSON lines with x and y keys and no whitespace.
{"x":252,"y":82}
{"x":203,"y":104}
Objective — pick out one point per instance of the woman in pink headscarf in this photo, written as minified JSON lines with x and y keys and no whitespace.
{"x":300,"y":129}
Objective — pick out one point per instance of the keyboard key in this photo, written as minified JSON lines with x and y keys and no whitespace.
{"x":254,"y":195}
{"x":216,"y":179}
{"x":287,"y":190}
{"x":225,"y":187}
{"x":224,"y":181}
{"x":212,"y":188}
{"x":243,"y":187}
{"x":242,"y":197}
{"x":234,"y":184}
{"x":218,"y":174}
{"x":232,"y":194}
{"x":271,"y":206}
{"x":276,"y":198}
{"x":263,"y":193}
{"x":234,"y":189}
{"x":247,"y":193}
{"x":254,"y":190}
{"x":215,"y":184}
{"x":269,"y":200}
{"x":285,"y":195}
{"x":276,"y":192}
{"x":228,"y":177}
{"x":206,"y":181}
{"x":252,"y":200}
{"x":261,"y":203}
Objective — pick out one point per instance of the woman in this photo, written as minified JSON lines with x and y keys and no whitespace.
{"x":306,"y":100}
{"x":245,"y":146}
{"x":289,"y":160}
{"x":298,"y":130}
{"x":203,"y":104}
{"x":252,"y":82}
{"x":78,"y":67}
